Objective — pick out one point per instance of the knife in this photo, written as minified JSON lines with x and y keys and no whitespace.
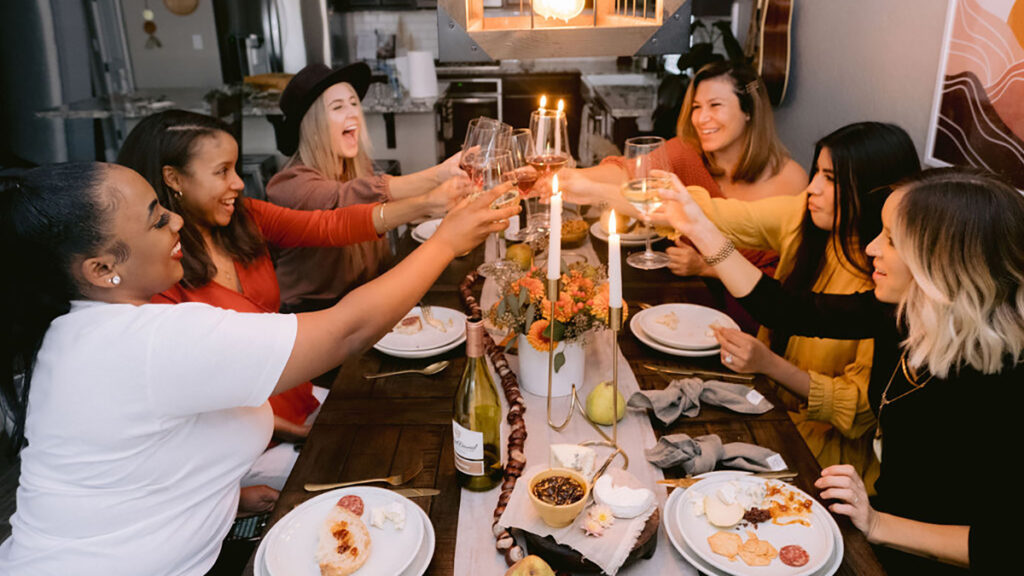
{"x":689,"y":481}
{"x":702,"y":373}
{"x":416,"y":492}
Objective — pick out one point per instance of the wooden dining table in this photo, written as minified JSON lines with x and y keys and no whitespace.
{"x":376,"y":428}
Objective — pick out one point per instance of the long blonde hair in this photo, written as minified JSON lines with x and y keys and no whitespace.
{"x":961,"y":234}
{"x":762,"y":149}
{"x":316,"y":150}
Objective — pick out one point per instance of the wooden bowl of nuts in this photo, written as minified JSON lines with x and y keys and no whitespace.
{"x":558,"y":495}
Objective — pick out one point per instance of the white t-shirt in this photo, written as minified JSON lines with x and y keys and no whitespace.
{"x":141,"y":422}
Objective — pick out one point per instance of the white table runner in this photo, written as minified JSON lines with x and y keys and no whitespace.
{"x":475,"y":552}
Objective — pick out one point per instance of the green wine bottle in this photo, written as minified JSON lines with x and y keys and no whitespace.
{"x":476,"y":424}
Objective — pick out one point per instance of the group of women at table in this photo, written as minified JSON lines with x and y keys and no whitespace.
{"x":889,"y":298}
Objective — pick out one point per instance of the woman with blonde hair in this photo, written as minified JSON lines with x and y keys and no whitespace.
{"x":324,"y":132}
{"x":947,"y":317}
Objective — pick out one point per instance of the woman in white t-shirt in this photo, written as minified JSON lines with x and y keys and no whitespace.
{"x":136,"y":421}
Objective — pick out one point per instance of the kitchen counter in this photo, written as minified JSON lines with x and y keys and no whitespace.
{"x":142,"y":103}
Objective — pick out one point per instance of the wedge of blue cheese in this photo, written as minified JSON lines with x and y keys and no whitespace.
{"x":574,"y":457}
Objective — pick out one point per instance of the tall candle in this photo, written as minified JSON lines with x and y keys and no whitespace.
{"x":614,"y":266}
{"x":558,"y":127}
{"x":555,"y":236}
{"x":539,"y":145}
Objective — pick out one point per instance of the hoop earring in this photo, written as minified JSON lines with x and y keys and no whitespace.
{"x":115,"y":280}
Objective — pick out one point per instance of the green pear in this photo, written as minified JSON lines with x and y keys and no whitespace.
{"x":600,"y":407}
{"x":530,"y":566}
{"x":521,"y":254}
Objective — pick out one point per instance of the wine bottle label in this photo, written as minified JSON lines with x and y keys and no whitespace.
{"x":469,"y":450}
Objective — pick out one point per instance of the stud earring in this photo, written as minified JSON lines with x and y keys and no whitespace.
{"x":177,"y":193}
{"x":115,"y":280}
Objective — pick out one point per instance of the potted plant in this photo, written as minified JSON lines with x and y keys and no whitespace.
{"x":524,"y":311}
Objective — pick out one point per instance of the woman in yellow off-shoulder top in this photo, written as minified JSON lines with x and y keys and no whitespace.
{"x":820,"y":236}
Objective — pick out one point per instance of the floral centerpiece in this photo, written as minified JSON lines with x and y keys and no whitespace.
{"x":523,"y":308}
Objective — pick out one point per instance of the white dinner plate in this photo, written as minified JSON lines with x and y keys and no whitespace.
{"x":424,"y":231}
{"x":430,"y":353}
{"x":624,"y":239}
{"x":675,"y":535}
{"x":429,"y":338}
{"x":636,"y":326}
{"x":692,"y":329}
{"x":818,"y":539}
{"x":417,"y":567}
{"x":291,"y":549}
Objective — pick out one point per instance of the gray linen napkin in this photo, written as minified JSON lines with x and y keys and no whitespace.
{"x":704,"y":453}
{"x":684,"y":397}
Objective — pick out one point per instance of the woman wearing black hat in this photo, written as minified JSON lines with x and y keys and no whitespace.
{"x":324,"y":132}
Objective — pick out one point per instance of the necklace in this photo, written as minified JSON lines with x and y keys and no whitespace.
{"x":911,"y":378}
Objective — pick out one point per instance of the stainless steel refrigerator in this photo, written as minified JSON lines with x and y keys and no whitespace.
{"x":260,"y":36}
{"x":55,"y":52}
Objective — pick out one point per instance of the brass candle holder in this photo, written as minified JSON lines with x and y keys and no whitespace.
{"x":615,"y":322}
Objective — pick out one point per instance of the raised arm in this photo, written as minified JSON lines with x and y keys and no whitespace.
{"x":418,"y":183}
{"x":326,"y":338}
{"x":805,"y":314}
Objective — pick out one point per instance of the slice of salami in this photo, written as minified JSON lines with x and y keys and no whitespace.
{"x":352,"y":503}
{"x":793,"y":555}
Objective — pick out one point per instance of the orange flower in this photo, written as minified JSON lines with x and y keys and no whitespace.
{"x":536,"y":336}
{"x":565,"y":308}
{"x":533,"y":286}
{"x":599,"y":305}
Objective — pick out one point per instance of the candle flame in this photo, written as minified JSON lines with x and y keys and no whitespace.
{"x":554,"y":185}
{"x":561,"y":105}
{"x":611,"y":223}
{"x":543,"y":101}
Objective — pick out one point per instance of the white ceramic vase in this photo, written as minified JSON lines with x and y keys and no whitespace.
{"x":533,"y":368}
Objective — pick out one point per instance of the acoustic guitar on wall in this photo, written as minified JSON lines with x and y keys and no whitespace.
{"x":770,"y":35}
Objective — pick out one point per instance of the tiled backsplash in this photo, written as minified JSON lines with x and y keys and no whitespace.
{"x":414,"y":29}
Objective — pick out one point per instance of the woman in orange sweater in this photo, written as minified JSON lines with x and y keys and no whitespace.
{"x":725,"y":143}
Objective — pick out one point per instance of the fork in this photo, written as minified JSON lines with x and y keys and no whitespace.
{"x":396,"y":480}
{"x":428,"y":315}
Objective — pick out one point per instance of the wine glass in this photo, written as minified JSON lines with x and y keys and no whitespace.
{"x":483,"y":136}
{"x":645,"y":154}
{"x":498,"y":169}
{"x":521,"y":147}
{"x":550,"y":142}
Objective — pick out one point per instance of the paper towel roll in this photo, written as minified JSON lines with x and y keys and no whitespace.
{"x":422,"y":78}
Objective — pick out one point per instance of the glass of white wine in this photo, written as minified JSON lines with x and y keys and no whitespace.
{"x":497,"y":169}
{"x":645,"y":154}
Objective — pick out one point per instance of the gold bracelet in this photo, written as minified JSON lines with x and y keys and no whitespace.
{"x":383,"y":222}
{"x":724,"y":252}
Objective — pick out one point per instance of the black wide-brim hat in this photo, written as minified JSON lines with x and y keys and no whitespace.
{"x":303,"y":89}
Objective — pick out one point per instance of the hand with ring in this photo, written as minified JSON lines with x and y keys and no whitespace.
{"x":842,"y":484}
{"x":742,"y":352}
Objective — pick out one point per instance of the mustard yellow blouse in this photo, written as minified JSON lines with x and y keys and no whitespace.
{"x":836,"y":420}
